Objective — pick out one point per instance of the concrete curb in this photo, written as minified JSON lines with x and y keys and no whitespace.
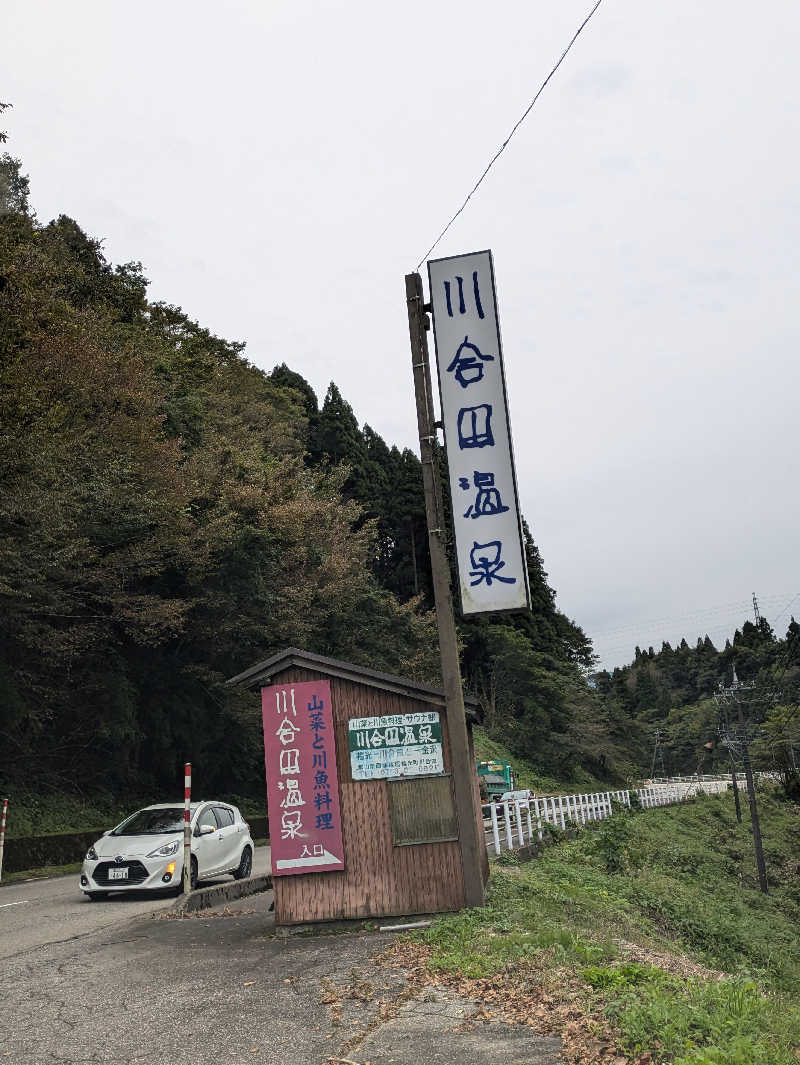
{"x":205,"y":898}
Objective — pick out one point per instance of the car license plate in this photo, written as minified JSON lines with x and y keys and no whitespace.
{"x":118,"y":874}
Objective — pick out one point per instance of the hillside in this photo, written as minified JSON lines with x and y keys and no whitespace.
{"x":671,"y":694}
{"x":643,"y":940}
{"x":171,"y":513}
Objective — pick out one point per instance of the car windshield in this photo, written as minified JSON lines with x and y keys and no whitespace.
{"x":152,"y":822}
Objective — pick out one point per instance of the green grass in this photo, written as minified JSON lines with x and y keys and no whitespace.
{"x":42,"y":873}
{"x":492,"y":750}
{"x":40,"y":814}
{"x":679,"y":880}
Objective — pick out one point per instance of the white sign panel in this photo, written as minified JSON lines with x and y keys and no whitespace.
{"x":398,"y":745}
{"x":491,"y":559}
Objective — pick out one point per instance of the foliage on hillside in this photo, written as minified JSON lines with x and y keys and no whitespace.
{"x":159,"y":529}
{"x":673,"y":690}
{"x":169,"y":513}
{"x":489,"y":749}
{"x":652,"y":926}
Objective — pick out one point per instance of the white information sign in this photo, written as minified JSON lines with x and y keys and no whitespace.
{"x":492,"y":571}
{"x":397,"y":745}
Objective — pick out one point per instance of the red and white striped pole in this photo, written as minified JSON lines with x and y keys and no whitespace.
{"x":3,"y":834}
{"x":187,"y":828}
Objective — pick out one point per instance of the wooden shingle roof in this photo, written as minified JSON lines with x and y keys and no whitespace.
{"x":264,"y":673}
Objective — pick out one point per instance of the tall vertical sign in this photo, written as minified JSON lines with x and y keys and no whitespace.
{"x":492,"y":570}
{"x":305,"y":826}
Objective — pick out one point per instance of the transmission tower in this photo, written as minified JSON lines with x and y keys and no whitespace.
{"x":755,"y":610}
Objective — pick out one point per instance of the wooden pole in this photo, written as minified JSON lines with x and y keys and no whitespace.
{"x":463,"y":769}
{"x":735,"y":783}
{"x":751,"y":795}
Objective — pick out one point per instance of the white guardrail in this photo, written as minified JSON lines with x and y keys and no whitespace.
{"x":513,"y":824}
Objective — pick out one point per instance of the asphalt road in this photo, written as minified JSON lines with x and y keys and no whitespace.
{"x":36,"y":913}
{"x":224,"y":989}
{"x":120,"y":983}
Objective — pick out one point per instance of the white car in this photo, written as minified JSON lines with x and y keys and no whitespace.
{"x":145,"y":851}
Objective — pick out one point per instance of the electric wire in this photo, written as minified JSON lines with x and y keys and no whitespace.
{"x":790,"y":603}
{"x":503,"y":146}
{"x":610,"y":643}
{"x":736,"y":606}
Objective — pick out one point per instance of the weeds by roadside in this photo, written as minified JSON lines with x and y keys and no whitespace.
{"x":41,"y":873}
{"x":654,"y":929}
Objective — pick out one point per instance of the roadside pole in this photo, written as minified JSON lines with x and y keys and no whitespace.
{"x":463,"y":769}
{"x":735,"y":783}
{"x":187,"y":828}
{"x":751,"y":795}
{"x":726,"y":742}
{"x":736,"y":692}
{"x":3,"y":834}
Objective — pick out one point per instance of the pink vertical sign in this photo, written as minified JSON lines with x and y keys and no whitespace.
{"x":305,"y":825}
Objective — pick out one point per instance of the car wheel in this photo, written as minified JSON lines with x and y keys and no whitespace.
{"x":245,"y":865}
{"x":95,"y":896}
{"x":193,"y":875}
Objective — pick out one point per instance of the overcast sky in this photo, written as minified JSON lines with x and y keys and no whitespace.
{"x":279,"y":167}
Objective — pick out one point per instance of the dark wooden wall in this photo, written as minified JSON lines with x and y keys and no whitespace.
{"x":378,"y":880}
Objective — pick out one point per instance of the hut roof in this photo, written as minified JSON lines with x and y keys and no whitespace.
{"x":259,"y":675}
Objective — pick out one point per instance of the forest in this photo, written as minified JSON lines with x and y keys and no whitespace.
{"x":170,"y":514}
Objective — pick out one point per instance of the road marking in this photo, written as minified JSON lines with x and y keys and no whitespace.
{"x":5,"y":905}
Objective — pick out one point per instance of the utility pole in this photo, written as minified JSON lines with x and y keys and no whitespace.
{"x":725,"y":737}
{"x":729,"y":742}
{"x":735,"y":693}
{"x":463,"y":769}
{"x":726,"y":742}
{"x":658,"y":750}
{"x":751,"y":794}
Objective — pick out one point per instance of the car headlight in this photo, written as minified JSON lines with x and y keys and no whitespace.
{"x":91,"y":855}
{"x":166,"y":850}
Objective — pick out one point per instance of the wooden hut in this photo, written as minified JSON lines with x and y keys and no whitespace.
{"x":399,"y":830}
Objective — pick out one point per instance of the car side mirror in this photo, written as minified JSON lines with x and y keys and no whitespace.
{"x":205,"y":830}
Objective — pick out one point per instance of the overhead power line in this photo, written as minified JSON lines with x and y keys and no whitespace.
{"x":790,"y":603}
{"x":611,"y":643}
{"x":503,"y":146}
{"x":739,"y":606}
